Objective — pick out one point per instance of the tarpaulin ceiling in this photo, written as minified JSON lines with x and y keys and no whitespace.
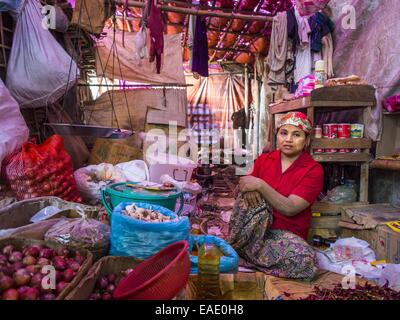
{"x":228,"y":39}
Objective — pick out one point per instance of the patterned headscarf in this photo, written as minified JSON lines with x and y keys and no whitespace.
{"x":297,"y":119}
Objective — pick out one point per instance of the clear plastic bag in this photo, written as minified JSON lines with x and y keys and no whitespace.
{"x":45,"y":214}
{"x":342,"y":194}
{"x":391,"y":275}
{"x":82,"y":233}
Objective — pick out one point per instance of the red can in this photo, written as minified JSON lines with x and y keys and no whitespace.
{"x":344,"y":130}
{"x":344,"y":150}
{"x":330,"y":150}
{"x":318,"y":150}
{"x":330,"y":131}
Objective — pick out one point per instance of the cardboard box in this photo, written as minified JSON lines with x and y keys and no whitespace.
{"x":113,"y":151}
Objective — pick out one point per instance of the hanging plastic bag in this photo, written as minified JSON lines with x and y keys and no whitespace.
{"x":140,"y":41}
{"x":82,"y":233}
{"x":91,"y":180}
{"x":42,"y":170}
{"x":342,"y":194}
{"x":14,"y":131}
{"x":134,"y":171}
{"x":39,"y":70}
{"x":309,"y":7}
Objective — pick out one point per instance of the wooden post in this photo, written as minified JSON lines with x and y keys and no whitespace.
{"x":216,"y":12}
{"x":364,"y":178}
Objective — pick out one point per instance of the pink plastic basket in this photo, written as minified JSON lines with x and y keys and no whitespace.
{"x":160,"y":277}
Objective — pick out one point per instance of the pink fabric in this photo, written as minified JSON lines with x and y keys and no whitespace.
{"x":308,"y":7}
{"x":303,"y":27}
{"x":392,"y":104}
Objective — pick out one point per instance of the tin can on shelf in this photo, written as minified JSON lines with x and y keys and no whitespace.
{"x":330,"y":130}
{"x":318,"y":150}
{"x":356,"y":150}
{"x":344,"y":150}
{"x":344,"y":130}
{"x":357,"y":130}
{"x":318,"y":132}
{"x":330,"y":150}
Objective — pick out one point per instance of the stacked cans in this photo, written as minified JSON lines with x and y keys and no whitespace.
{"x":338,"y":131}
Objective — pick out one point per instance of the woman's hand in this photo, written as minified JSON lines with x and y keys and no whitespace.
{"x":253,"y":199}
{"x":250,"y":183}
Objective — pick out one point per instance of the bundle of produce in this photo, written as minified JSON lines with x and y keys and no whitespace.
{"x":26,"y":270}
{"x":42,"y":170}
{"x":148,"y":215}
{"x":81,"y":233}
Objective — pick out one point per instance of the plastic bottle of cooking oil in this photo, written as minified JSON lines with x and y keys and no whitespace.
{"x":208,"y":278}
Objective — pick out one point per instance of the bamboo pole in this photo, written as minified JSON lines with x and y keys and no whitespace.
{"x":200,"y":12}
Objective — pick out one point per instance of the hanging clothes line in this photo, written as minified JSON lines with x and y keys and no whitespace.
{"x":201,"y":12}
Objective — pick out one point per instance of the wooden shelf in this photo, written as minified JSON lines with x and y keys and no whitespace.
{"x":363,"y":143}
{"x":342,"y":157}
{"x":333,"y":208}
{"x":387,"y":113}
{"x":292,"y":105}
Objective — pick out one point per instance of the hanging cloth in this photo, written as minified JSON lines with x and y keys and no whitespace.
{"x":303,"y":51}
{"x":292,"y":28}
{"x":156,"y":26}
{"x":200,"y":48}
{"x":192,"y":29}
{"x":327,"y":54}
{"x":278,"y":50}
{"x":320,"y":26}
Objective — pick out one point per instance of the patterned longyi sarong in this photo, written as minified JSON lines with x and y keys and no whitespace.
{"x":276,"y":252}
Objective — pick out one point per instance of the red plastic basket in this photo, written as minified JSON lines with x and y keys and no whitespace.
{"x":160,"y":277}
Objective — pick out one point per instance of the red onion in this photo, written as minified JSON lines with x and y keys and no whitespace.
{"x":29,"y":260}
{"x":17,"y":265}
{"x":3,"y":258}
{"x":110,"y":288}
{"x":47,"y":253}
{"x":8,"y":270}
{"x":106,"y":296}
{"x":61,"y":286}
{"x":15,"y":256}
{"x":43,"y":262}
{"x":69,"y":274}
{"x":112,"y":278}
{"x":30,"y":294}
{"x":32,"y":251}
{"x":60,"y":264}
{"x":102,"y":283}
{"x":95,"y":296}
{"x":33,"y":269}
{"x":10,"y":294}
{"x":22,"y":290}
{"x":78,"y":258}
{"x":6,"y":283}
{"x":74,"y":265}
{"x":7,"y":250}
{"x":48,"y":296}
{"x":59,"y":276}
{"x":21,"y":277}
{"x":36,"y":280}
{"x":61,"y":251}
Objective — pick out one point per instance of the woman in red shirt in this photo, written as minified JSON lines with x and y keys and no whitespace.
{"x":281,"y":190}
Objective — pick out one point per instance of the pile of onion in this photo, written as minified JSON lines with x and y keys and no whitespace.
{"x":21,"y":276}
{"x":106,"y":285}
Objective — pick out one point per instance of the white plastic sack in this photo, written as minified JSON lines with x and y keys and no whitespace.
{"x":14,"y":131}
{"x":39,"y":69}
{"x":134,"y":171}
{"x":90,"y":180}
{"x":391,"y":274}
{"x":349,"y":254}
